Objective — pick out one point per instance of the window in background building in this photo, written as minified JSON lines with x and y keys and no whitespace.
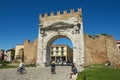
{"x":62,"y":50}
{"x":52,"y":51}
{"x":56,"y":50}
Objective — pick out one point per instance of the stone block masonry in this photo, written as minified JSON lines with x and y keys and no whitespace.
{"x":100,"y":49}
{"x":30,"y":51}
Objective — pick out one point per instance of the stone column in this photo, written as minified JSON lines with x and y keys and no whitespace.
{"x":82,"y":45}
{"x":78,"y":49}
{"x":40,"y":50}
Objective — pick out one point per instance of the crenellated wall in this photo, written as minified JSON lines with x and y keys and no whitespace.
{"x":100,"y":49}
{"x":65,"y":12}
{"x":46,"y":20}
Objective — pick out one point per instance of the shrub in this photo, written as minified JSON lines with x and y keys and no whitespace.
{"x":104,"y":34}
{"x":96,"y":36}
{"x":90,"y":36}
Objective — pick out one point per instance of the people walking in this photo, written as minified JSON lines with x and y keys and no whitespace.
{"x":53,"y":68}
{"x":73,"y":70}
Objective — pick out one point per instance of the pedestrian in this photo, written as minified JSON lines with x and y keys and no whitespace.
{"x":21,"y":67}
{"x":73,"y":70}
{"x":53,"y":67}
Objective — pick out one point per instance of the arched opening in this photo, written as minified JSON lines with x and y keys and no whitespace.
{"x":59,"y":49}
{"x":63,"y":40}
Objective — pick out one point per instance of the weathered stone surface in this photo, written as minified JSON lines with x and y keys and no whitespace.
{"x":66,"y":25}
{"x":30,"y":51}
{"x":100,"y":49}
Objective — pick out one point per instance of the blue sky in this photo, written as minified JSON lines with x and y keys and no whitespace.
{"x":19,"y":19}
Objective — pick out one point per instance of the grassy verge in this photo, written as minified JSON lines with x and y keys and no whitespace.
{"x":101,"y":73}
{"x":6,"y":64}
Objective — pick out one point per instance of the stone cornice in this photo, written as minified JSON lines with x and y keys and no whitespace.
{"x":59,"y":27}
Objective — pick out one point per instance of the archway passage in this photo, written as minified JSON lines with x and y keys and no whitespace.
{"x":61,"y":51}
{"x":67,"y":25}
{"x":63,"y":40}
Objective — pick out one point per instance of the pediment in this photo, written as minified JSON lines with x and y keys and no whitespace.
{"x":59,"y":25}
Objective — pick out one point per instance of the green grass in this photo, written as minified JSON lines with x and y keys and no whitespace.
{"x":101,"y":73}
{"x":6,"y":64}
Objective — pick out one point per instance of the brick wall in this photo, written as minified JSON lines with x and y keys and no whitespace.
{"x":100,"y":49}
{"x":30,"y":51}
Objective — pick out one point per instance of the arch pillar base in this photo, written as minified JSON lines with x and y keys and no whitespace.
{"x":40,"y":65}
{"x":80,"y":68}
{"x":45,"y":64}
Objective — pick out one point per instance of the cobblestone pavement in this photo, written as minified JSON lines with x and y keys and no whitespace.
{"x":36,"y":73}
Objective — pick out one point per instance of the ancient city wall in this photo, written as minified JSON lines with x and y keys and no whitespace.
{"x":100,"y":49}
{"x":30,"y":51}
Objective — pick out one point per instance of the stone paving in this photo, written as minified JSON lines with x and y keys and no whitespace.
{"x":36,"y":73}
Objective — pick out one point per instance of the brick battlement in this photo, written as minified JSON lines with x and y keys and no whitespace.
{"x":65,"y":12}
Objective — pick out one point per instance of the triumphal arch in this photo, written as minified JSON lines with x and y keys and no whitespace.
{"x":67,"y":24}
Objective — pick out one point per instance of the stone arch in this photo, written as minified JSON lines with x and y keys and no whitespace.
{"x":65,"y":25}
{"x":60,"y":35}
{"x":51,"y":39}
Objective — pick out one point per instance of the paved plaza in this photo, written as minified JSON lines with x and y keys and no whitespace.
{"x":36,"y":73}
